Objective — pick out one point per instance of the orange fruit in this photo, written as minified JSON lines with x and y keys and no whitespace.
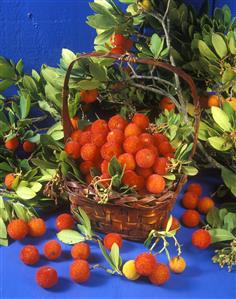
{"x":12,"y":144}
{"x":85,"y":167}
{"x":112,"y":238}
{"x":145,"y":158}
{"x":117,"y":122}
{"x":160,"y":166}
{"x":17,"y":229}
{"x":64,"y":221}
{"x":195,"y":188}
{"x":141,"y":120}
{"x":89,"y":152}
{"x":205,"y":204}
{"x":127,"y":161}
{"x":190,"y":218}
{"x":175,"y":223}
{"x":80,"y":251}
{"x":232,"y":102}
{"x":132,"y":144}
{"x":9,"y":180}
{"x":104,"y":166}
{"x":89,"y":96}
{"x":145,"y":263}
{"x":79,"y":271}
{"x":37,"y":227}
{"x":76,"y":135}
{"x":99,"y":126}
{"x":131,"y":179}
{"x":116,"y":136}
{"x":29,"y":255}
{"x":190,"y":200}
{"x":74,"y":122}
{"x":155,"y":184}
{"x":146,"y":139}
{"x":85,"y":137}
{"x":165,"y":148}
{"x":110,"y":150}
{"x":144,"y":172}
{"x":160,"y":274}
{"x":213,"y":100}
{"x":46,"y":277}
{"x":159,"y":138}
{"x":52,"y":250}
{"x":167,"y":104}
{"x":201,"y":238}
{"x":28,"y":146}
{"x":132,"y":130}
{"x":72,"y":148}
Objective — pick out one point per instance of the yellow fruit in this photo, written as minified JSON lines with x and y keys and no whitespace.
{"x":232,"y":102}
{"x":177,"y":264}
{"x":129,"y":270}
{"x":145,"y":4}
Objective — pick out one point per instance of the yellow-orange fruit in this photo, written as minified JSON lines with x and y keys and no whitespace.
{"x":155,"y":184}
{"x":141,"y":120}
{"x":232,"y":102}
{"x":213,"y":100}
{"x":177,"y":264}
{"x":110,"y":150}
{"x":9,"y":180}
{"x":145,"y":158}
{"x":205,"y":204}
{"x":37,"y":227}
{"x":132,"y":145}
{"x":74,"y":122}
{"x":117,"y":122}
{"x":72,"y":148}
{"x":132,"y":130}
{"x":127,"y":161}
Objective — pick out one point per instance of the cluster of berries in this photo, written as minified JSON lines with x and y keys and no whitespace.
{"x":13,"y":143}
{"x":145,"y":156}
{"x":191,"y":218}
{"x":120,"y":44}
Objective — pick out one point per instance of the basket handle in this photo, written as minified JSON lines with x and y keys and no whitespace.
{"x":67,"y":125}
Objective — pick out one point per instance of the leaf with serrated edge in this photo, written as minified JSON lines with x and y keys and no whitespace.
{"x":69,"y":236}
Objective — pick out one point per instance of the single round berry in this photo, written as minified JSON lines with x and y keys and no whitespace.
{"x":201,"y":238}
{"x":155,"y":184}
{"x":167,"y":104}
{"x":89,"y":152}
{"x":205,"y":204}
{"x":117,"y":122}
{"x":80,"y":251}
{"x":160,"y":166}
{"x":112,"y":238}
{"x":64,"y":221}
{"x":145,"y":158}
{"x":127,"y":161}
{"x":177,"y":264}
{"x":190,"y":218}
{"x":129,"y":270}
{"x":145,"y":263}
{"x":141,"y":120}
{"x":132,"y":130}
{"x":29,"y":255}
{"x":52,"y":250}
{"x":28,"y":146}
{"x":37,"y":227}
{"x":76,"y":135}
{"x":17,"y":229}
{"x":195,"y":188}
{"x":9,"y":180}
{"x":72,"y":148}
{"x":89,"y":96}
{"x":190,"y":200}
{"x":79,"y":271}
{"x":46,"y":277}
{"x":160,"y":274}
{"x":132,"y":145}
{"x":12,"y":144}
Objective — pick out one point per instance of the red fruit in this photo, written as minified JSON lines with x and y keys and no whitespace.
{"x":37,"y":227}
{"x":104,"y":166}
{"x":117,"y":50}
{"x":74,"y":122}
{"x":72,"y":148}
{"x":144,"y":172}
{"x":79,"y":271}
{"x":205,"y":204}
{"x":145,"y":263}
{"x":46,"y":277}
{"x":132,"y":144}
{"x":167,"y":104}
{"x":190,"y":200}
{"x":175,"y":223}
{"x":12,"y":144}
{"x":201,"y":238}
{"x":141,"y":120}
{"x":17,"y":229}
{"x":165,"y":148}
{"x":98,"y":139}
{"x":146,"y":139}
{"x":110,"y":150}
{"x":132,"y":130}
{"x":160,"y":274}
{"x":85,"y":137}
{"x":159,"y":138}
{"x":80,"y":251}
{"x":99,"y":126}
{"x":28,"y":146}
{"x":112,"y":238}
{"x":155,"y":184}
{"x":190,"y":218}
{"x":145,"y":158}
{"x":127,"y":161}
{"x":89,"y":96}
{"x":160,"y":166}
{"x":85,"y":167}
{"x":89,"y":152}
{"x":131,"y":179}
{"x":153,"y":148}
{"x":195,"y":188}
{"x":29,"y":255}
{"x":9,"y":180}
{"x":116,"y":136}
{"x":88,"y":179}
{"x":117,"y":122}
{"x":64,"y":221}
{"x":119,"y":40}
{"x":52,"y":250}
{"x":76,"y":135}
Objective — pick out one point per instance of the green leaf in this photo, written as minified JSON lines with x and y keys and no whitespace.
{"x":230,"y":221}
{"x":88,"y":84}
{"x":5,"y":84}
{"x":228,"y":75}
{"x":68,"y":56}
{"x":220,"y":235}
{"x":206,"y":52}
{"x":229,"y":178}
{"x":30,"y":84}
{"x":20,"y":211}
{"x":25,"y":103}
{"x":98,"y":72}
{"x":107,"y":257}
{"x":6,"y":167}
{"x":114,"y":167}
{"x":19,"y":66}
{"x":3,"y":231}
{"x":219,"y":143}
{"x":156,"y":45}
{"x":85,"y":218}
{"x":189,"y":170}
{"x":219,"y":45}
{"x":44,"y":164}
{"x":170,"y":177}
{"x":213,"y":218}
{"x":103,"y":37}
{"x":115,"y":255}
{"x":69,"y":236}
{"x":3,"y":242}
{"x":6,"y":70}
{"x":232,"y":45}
{"x":98,"y":21}
{"x":25,"y":192}
{"x":221,"y":118}
{"x":35,"y":186}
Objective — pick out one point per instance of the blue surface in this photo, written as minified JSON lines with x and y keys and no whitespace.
{"x":201,"y":279}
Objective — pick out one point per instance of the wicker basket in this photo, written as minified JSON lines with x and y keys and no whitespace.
{"x":134,"y":215}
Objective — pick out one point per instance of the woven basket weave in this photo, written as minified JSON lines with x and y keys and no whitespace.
{"x":134,"y":215}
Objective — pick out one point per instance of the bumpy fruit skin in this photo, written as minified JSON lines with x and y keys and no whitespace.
{"x":79,"y":271}
{"x":190,"y":200}
{"x":155,"y":184}
{"x":201,"y":238}
{"x":46,"y":277}
{"x":167,"y":104}
{"x":165,"y":148}
{"x":64,"y":221}
{"x":160,"y":274}
{"x":146,"y":139}
{"x":177,"y":264}
{"x":144,"y":172}
{"x":17,"y":229}
{"x":141,"y":120}
{"x":132,"y":145}
{"x":132,"y":130}
{"x":12,"y":144}
{"x":104,"y":166}
{"x":29,"y":255}
{"x":131,"y":179}
{"x":37,"y":227}
{"x":89,"y":152}
{"x":52,"y":250}
{"x":213,"y":100}
{"x":129,"y":270}
{"x":76,"y":135}
{"x":195,"y":188}
{"x":98,"y":139}
{"x":175,"y":224}
{"x":160,"y":166}
{"x":110,"y":150}
{"x":112,"y":238}
{"x":99,"y":126}
{"x":85,"y":137}
{"x":145,"y":263}
{"x":145,"y":158}
{"x":159,"y":138}
{"x":116,"y":136}
{"x":89,"y":96}
{"x":205,"y":204}
{"x":72,"y":148}
{"x":8,"y":181}
{"x":28,"y":146}
{"x":190,"y":218}
{"x":80,"y":251}
{"x":117,"y":122}
{"x":85,"y":167}
{"x":127,"y":161}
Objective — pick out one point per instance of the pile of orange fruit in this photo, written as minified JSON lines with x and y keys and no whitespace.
{"x":144,"y":155}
